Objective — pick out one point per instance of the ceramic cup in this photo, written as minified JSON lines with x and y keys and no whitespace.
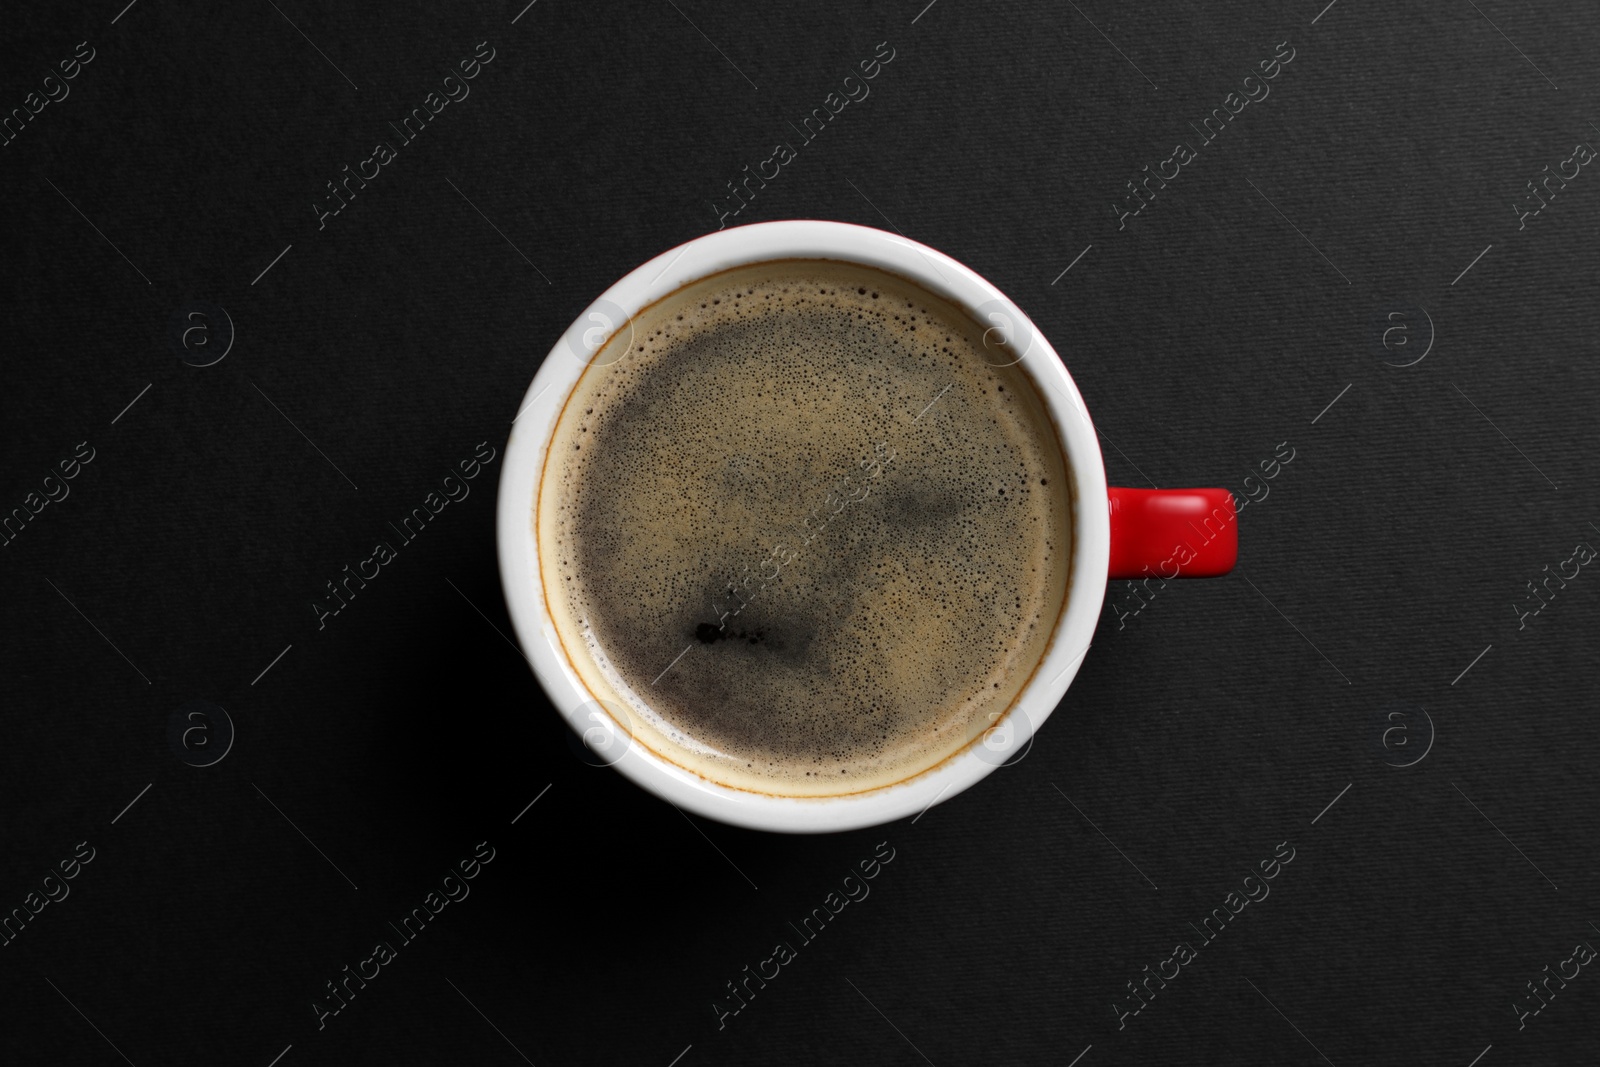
{"x":1117,"y":533}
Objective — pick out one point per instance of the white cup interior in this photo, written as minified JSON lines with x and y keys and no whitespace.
{"x":534,"y":426}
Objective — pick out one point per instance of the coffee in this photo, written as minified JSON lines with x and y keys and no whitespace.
{"x":805,"y":528}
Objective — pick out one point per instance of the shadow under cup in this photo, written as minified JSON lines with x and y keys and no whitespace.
{"x":807,"y":531}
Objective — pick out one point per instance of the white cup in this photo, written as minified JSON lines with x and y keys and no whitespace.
{"x":520,"y":560}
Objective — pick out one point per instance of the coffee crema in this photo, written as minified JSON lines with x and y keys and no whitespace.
{"x":802,"y":530}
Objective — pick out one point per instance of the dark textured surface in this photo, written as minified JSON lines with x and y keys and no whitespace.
{"x":1203,"y":732}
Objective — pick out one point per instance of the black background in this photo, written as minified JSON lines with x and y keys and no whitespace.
{"x":1216,"y":724}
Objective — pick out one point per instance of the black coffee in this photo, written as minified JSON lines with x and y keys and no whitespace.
{"x":810,"y":531}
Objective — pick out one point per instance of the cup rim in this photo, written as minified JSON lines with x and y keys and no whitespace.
{"x":534,"y":426}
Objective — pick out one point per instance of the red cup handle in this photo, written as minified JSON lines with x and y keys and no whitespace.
{"x":1172,"y":533}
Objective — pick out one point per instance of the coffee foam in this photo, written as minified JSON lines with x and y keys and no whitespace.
{"x":811,"y":533}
